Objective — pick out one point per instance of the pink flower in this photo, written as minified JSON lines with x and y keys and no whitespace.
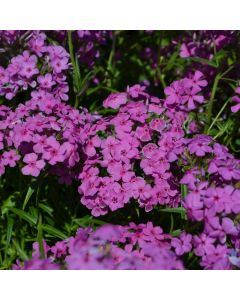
{"x":229,"y":172}
{"x":157,"y":124}
{"x":54,"y":152}
{"x":115,"y":100}
{"x":202,"y":244}
{"x":122,"y":171}
{"x":200,"y":146}
{"x":192,"y":97}
{"x":143,"y":133}
{"x":59,"y":65}
{"x":10,"y":158}
{"x":46,"y":81}
{"x":151,"y":233}
{"x":150,"y":150}
{"x":174,"y":92}
{"x":92,"y":144}
{"x":183,"y":244}
{"x":122,"y":123}
{"x":29,"y":69}
{"x":136,"y":91}
{"x":196,"y":80}
{"x":109,"y":146}
{"x":34,"y":166}
{"x":236,"y":98}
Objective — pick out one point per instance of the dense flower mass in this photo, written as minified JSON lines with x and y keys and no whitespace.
{"x":130,"y":155}
{"x":146,"y":157}
{"x":133,"y":247}
{"x":24,"y":70}
{"x":45,"y":134}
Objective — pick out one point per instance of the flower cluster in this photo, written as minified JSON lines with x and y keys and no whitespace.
{"x":90,"y":42}
{"x":185,"y":92}
{"x":9,"y":37}
{"x":132,"y":154}
{"x":40,"y":67}
{"x":203,"y":43}
{"x":213,"y":200}
{"x":45,"y":134}
{"x":112,"y":247}
{"x":131,"y":247}
{"x":141,"y":152}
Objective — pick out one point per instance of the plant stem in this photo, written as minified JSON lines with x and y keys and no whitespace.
{"x":217,"y":116}
{"x":70,"y":45}
{"x":40,"y":237}
{"x":39,"y":222}
{"x":76,"y":77}
{"x":210,"y":103}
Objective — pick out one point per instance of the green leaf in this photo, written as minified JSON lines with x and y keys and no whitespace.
{"x":238,"y":142}
{"x":28,"y":196}
{"x":9,"y":232}
{"x":40,"y":237}
{"x":20,"y":251}
{"x":171,"y":61}
{"x":184,"y":191}
{"x":53,"y":231}
{"x":22,"y":214}
{"x":176,"y":232}
{"x":77,"y":68}
{"x":172,"y":224}
{"x":7,"y":204}
{"x":204,"y":61}
{"x":46,"y":208}
{"x":177,"y":210}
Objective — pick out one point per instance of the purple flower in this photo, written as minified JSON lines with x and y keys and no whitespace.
{"x":29,"y":69}
{"x":46,"y":81}
{"x":54,"y":152}
{"x":34,"y":166}
{"x":200,"y":146}
{"x":183,"y":244}
{"x":10,"y":158}
{"x":136,"y":91}
{"x":143,"y":134}
{"x":203,"y":244}
{"x":236,"y":98}
{"x":197,"y":81}
{"x":115,"y":100}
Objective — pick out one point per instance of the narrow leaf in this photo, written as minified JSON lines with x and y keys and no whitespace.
{"x":53,"y":231}
{"x":20,"y":251}
{"x":28,"y":196}
{"x":9,"y":232}
{"x":22,"y":214}
{"x":178,"y":210}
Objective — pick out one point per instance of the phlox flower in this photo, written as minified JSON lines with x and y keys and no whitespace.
{"x":34,"y":166}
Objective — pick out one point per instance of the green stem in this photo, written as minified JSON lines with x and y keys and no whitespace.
{"x":159,"y":73}
{"x":217,"y":116}
{"x":76,"y":78}
{"x":220,"y":132}
{"x":210,"y":103}
{"x":110,"y":64}
{"x":39,"y":221}
{"x":228,"y":70}
{"x":70,"y":45}
{"x":40,"y":237}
